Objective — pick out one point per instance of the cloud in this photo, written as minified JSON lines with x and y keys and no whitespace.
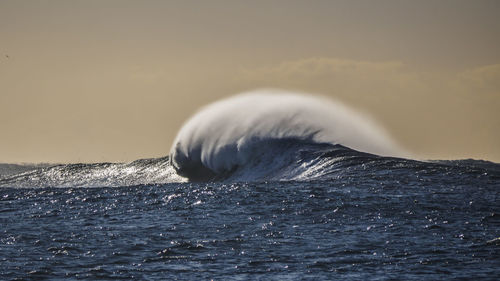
{"x":350,"y":79}
{"x":318,"y":68}
{"x":481,"y":80}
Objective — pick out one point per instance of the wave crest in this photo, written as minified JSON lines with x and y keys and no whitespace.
{"x":230,"y":133}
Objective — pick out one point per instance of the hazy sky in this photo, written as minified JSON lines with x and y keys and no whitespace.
{"x":114,"y":80}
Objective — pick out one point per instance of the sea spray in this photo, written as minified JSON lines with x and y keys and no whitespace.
{"x":229,"y":133}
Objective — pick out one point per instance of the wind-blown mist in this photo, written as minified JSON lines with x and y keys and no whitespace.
{"x":228,"y":133}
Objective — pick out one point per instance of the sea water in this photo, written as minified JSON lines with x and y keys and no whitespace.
{"x":280,"y":196}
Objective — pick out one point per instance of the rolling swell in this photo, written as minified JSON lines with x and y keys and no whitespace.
{"x":139,"y":172}
{"x":270,"y":160}
{"x":273,"y":160}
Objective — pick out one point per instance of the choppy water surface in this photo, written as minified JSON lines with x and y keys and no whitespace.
{"x":349,"y":228}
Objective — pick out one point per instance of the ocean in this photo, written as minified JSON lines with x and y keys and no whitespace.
{"x":254,"y":202}
{"x":359,"y":217}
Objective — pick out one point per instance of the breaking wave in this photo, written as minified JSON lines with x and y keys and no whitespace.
{"x":234,"y":133}
{"x":265,"y":135}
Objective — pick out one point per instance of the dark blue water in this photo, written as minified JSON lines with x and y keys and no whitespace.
{"x":294,"y":210}
{"x":378,"y":218}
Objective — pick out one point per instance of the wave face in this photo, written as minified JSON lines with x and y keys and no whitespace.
{"x":234,"y":134}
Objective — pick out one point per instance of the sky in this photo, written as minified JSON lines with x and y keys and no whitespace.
{"x":114,"y":80}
